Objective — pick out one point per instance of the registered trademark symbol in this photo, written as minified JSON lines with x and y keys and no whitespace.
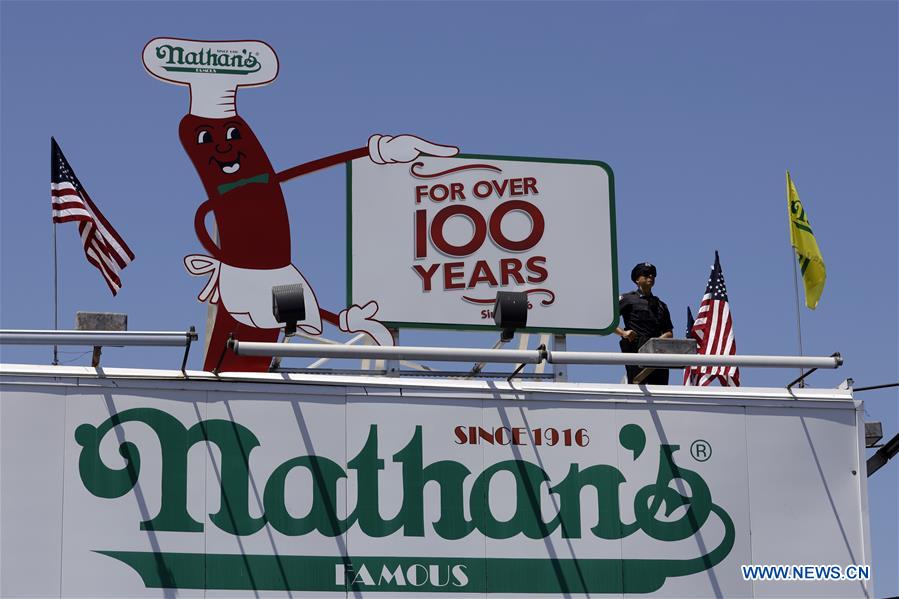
{"x":701,"y":450}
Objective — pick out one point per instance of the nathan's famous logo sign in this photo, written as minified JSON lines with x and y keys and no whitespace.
{"x":465,"y":509}
{"x":435,"y":240}
{"x":234,"y":61}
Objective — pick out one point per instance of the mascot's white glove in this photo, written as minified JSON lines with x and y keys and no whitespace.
{"x":359,"y":320}
{"x":384,"y":149}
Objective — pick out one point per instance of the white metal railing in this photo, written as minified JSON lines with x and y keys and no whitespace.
{"x":405,"y":355}
{"x":681,"y":360}
{"x":377,"y":352}
{"x":100,"y":339}
{"x":105,"y":338}
{"x":535,"y":356}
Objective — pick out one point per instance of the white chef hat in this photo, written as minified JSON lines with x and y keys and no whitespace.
{"x":212,"y":69}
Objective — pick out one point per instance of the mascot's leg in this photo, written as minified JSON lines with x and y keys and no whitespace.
{"x":225,"y":325}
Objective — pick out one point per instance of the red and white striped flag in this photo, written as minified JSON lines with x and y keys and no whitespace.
{"x":713,"y":329}
{"x":103,"y":246}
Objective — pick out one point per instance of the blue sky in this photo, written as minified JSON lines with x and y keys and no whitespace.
{"x":699,"y":108}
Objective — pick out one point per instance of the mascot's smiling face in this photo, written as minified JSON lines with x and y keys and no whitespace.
{"x":222,"y":150}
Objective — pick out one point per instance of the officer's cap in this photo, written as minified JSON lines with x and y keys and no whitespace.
{"x":644,"y":268}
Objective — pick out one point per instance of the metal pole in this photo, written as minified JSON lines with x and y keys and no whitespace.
{"x":798,"y":310}
{"x":53,"y":166}
{"x":55,"y":290}
{"x":93,"y":338}
{"x":795,"y":259}
{"x":458,"y":354}
{"x":681,"y":360}
{"x":377,"y":352}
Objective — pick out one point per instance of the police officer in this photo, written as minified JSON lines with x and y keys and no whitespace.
{"x":645,"y":316}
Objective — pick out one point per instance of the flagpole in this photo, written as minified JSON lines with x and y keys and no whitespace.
{"x":794,"y":259}
{"x":55,"y":269}
{"x":55,"y":297}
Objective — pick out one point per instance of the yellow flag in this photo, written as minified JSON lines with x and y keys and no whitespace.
{"x":811,"y":263}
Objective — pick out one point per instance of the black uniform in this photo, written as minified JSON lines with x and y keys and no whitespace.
{"x":648,"y":317}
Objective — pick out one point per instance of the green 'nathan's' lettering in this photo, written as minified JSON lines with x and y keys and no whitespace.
{"x":235,"y":443}
{"x":207,"y":60}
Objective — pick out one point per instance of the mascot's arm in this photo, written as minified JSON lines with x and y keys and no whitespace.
{"x":381,"y":149}
{"x":317,"y":165}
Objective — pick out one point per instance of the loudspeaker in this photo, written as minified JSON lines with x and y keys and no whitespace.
{"x":288,"y":306}
{"x":510,"y":311}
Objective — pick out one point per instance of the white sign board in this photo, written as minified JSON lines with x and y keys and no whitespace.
{"x":433,"y":241}
{"x":119,"y":487}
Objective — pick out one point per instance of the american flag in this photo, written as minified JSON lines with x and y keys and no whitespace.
{"x":713,"y":329}
{"x":103,"y":246}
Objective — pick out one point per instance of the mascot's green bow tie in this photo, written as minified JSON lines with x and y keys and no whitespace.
{"x":226,"y":187}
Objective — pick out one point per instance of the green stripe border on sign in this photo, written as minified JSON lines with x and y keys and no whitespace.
{"x":521,"y":576}
{"x":613,"y":239}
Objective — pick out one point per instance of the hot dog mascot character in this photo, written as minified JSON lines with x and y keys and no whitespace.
{"x":252,"y":251}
